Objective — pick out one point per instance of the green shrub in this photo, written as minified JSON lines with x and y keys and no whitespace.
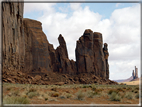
{"x":54,"y":89}
{"x":32,"y":90}
{"x":124,"y":87}
{"x":90,"y":94}
{"x":68,"y":95}
{"x":62,"y":97}
{"x":32,"y":94}
{"x":137,"y":88}
{"x":128,"y":88}
{"x":129,"y":95}
{"x":137,"y":96}
{"x":16,"y":100}
{"x":46,"y":99}
{"x":84,"y":86}
{"x":115,"y":96}
{"x":120,"y":89}
{"x":99,"y":90}
{"x":8,"y":88}
{"x":94,"y":88}
{"x":136,"y":91}
{"x":111,"y":91}
{"x":15,"y":93}
{"x":87,"y":86}
{"x":80,"y":95}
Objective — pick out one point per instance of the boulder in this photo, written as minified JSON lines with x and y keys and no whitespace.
{"x":37,"y":78}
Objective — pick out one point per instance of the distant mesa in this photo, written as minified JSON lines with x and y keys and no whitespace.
{"x":134,"y":76}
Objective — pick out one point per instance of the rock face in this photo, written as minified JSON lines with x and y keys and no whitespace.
{"x":12,"y":36}
{"x":84,"y":53}
{"x":89,"y":54}
{"x":37,"y":57}
{"x":28,"y":57}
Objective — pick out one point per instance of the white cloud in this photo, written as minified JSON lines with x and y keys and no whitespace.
{"x":71,"y":28}
{"x":117,"y":4}
{"x":45,"y":7}
{"x":75,"y":6}
{"x":121,"y":32}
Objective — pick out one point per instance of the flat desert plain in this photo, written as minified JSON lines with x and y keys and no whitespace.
{"x":70,"y":94}
{"x":132,"y":83}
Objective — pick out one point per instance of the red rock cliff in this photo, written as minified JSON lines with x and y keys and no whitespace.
{"x":37,"y":57}
{"x":26,"y":49}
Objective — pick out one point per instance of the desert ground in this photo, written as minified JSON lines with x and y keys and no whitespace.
{"x":132,"y":83}
{"x":70,"y":94}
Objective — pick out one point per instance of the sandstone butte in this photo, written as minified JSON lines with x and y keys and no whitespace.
{"x":28,"y":57}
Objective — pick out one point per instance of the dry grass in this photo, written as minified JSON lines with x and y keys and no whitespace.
{"x":75,"y":93}
{"x":16,"y":100}
{"x":129,"y":95}
{"x":32,"y":94}
{"x":80,"y":95}
{"x":115,"y":97}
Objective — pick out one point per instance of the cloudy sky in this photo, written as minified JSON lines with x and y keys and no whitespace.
{"x":119,"y":24}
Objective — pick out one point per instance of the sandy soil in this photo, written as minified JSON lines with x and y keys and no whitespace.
{"x":132,"y":83}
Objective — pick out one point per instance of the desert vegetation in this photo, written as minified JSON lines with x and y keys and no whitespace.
{"x":70,"y":94}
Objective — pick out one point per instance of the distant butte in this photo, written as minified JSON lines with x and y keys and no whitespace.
{"x":28,"y":57}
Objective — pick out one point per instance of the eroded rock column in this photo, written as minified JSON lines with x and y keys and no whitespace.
{"x":99,"y":60}
{"x":84,"y":53}
{"x":89,"y":54}
{"x":106,"y":54}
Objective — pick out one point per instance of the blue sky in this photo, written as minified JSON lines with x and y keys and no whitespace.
{"x":119,"y":24}
{"x":104,"y":9}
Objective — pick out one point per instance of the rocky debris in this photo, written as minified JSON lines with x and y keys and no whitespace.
{"x":12,"y":36}
{"x":106,"y":54}
{"x":55,"y":78}
{"x":37,"y":78}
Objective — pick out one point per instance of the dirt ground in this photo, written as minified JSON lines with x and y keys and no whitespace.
{"x":70,"y":94}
